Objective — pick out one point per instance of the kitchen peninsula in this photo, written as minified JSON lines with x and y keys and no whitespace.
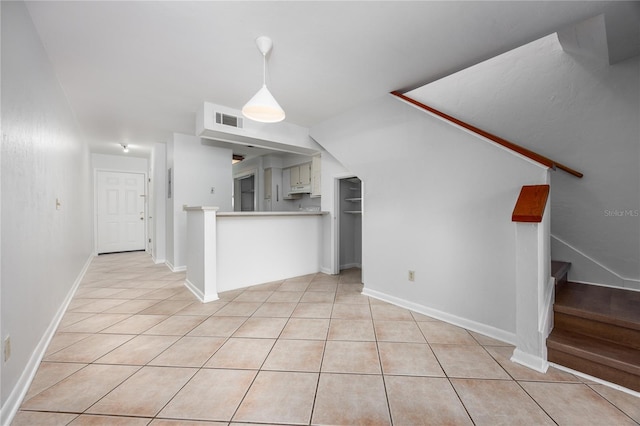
{"x":231,"y":250}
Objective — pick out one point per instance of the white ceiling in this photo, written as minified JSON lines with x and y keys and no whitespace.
{"x":135,"y":71}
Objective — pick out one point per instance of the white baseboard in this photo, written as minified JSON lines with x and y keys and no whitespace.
{"x":624,"y":287}
{"x":327,"y":271}
{"x":531,"y":361}
{"x":587,"y":270}
{"x":595,"y":379}
{"x":158,"y":261}
{"x":351,"y":265}
{"x":13,"y":402}
{"x":197,"y":293}
{"x":484,"y":329}
{"x":175,"y":268}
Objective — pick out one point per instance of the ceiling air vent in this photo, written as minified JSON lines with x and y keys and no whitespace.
{"x":228,"y":120}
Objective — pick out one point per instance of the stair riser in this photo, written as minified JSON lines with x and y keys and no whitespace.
{"x":612,"y":333}
{"x":559,"y":271}
{"x":622,"y":378}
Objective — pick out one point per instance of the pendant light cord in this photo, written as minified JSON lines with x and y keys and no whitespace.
{"x":264,"y":70}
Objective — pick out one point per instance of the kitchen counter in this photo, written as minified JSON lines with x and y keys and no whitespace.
{"x":288,"y":213}
{"x":231,"y":250}
{"x":251,"y":214}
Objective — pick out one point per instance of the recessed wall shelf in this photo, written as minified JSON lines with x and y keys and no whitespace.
{"x":355,"y":196}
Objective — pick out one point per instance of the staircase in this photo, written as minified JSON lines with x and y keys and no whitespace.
{"x":596,"y":330}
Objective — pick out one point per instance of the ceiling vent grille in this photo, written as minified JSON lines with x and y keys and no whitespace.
{"x":228,"y":120}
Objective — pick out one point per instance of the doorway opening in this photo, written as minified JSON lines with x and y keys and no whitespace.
{"x":244,"y":193}
{"x":349,"y":224}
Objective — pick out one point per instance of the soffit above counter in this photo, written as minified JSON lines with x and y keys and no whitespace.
{"x":228,"y":125}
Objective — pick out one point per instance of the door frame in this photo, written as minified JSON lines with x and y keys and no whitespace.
{"x":256,"y":185}
{"x":95,"y":204}
{"x":335,"y":223}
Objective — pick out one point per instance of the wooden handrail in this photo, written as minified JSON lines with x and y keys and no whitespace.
{"x":505,"y":143}
{"x":531,"y":203}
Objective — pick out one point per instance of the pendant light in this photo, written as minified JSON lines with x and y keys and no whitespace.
{"x":263,"y":107}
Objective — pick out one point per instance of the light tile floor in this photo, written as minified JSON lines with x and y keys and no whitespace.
{"x":135,"y":348}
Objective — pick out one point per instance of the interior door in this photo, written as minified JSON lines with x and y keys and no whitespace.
{"x":121,"y":211}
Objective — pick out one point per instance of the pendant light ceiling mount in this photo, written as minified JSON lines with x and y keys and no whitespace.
{"x":263,"y":107}
{"x":265,"y":44}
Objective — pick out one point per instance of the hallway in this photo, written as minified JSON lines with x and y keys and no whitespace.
{"x":136,"y":348}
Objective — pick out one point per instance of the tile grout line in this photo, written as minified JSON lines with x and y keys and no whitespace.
{"x":446,"y":375}
{"x":590,"y":386}
{"x":235,"y":412}
{"x":384,"y":382}
{"x":324,"y":351}
{"x":169,"y":283}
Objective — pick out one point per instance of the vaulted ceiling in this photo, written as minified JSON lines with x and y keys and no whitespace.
{"x":135,"y":71}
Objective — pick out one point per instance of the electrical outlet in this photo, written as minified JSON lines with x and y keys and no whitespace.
{"x":7,"y":348}
{"x":412,"y":275}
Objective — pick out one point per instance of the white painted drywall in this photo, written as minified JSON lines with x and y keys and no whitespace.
{"x":257,"y":249}
{"x":201,"y":253}
{"x":438,"y":201}
{"x":577,"y":110}
{"x":169,"y":206}
{"x":158,"y":214}
{"x":44,"y":158}
{"x":119,"y":163}
{"x":282,"y":136}
{"x":196,"y":167}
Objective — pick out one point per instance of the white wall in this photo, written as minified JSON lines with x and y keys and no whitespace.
{"x":44,"y":158}
{"x":169,"y":206}
{"x":257,"y":249}
{"x":196,"y":167}
{"x":282,"y":136}
{"x":158,"y":208}
{"x":120,"y":163}
{"x":577,"y":110}
{"x":438,"y":201}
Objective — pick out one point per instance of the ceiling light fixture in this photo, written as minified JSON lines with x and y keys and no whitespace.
{"x":263,"y":107}
{"x":236,"y":158}
{"x":125,"y":148}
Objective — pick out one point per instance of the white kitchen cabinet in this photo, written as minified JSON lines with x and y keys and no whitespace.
{"x":301,"y":175}
{"x":286,"y":184}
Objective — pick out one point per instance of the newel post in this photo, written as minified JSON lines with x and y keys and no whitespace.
{"x":534,"y":285}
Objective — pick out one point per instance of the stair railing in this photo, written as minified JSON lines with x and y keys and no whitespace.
{"x":503,"y":142}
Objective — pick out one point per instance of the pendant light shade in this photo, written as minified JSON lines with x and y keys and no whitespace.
{"x":263,"y":107}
